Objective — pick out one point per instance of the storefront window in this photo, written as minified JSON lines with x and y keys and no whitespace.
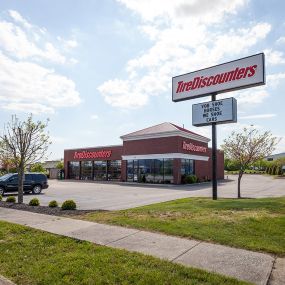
{"x":130,"y":170}
{"x":114,"y":170}
{"x":168,"y":171}
{"x":136,"y":170}
{"x":146,"y":170}
{"x":158,"y":171}
{"x":187,"y":167}
{"x":74,"y":169}
{"x":100,"y":170}
{"x":150,"y":170}
{"x":86,"y":170}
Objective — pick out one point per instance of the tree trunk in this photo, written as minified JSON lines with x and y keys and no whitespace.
{"x":21,"y":176}
{"x":239,"y":180}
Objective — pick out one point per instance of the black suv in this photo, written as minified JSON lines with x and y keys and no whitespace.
{"x":33,"y":182}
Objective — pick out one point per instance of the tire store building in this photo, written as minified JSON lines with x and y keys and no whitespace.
{"x":163,"y":153}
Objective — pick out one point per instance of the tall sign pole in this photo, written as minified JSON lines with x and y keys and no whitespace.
{"x":214,"y":157}
{"x":234,"y":75}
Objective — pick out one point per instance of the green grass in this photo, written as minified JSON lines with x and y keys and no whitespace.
{"x":31,"y":256}
{"x":255,"y":224}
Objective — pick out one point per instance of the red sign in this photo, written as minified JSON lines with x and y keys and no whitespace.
{"x":92,"y":154}
{"x":193,"y":147}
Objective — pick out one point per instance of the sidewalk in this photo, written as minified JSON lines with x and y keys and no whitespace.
{"x":242,"y":264}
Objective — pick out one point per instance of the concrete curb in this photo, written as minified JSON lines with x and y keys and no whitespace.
{"x":5,"y":281}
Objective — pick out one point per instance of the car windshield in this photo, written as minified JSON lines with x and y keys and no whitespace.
{"x":6,"y":176}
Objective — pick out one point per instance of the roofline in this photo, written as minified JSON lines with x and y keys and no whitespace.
{"x":177,"y":133}
{"x":186,"y":134}
{"x":142,"y":129}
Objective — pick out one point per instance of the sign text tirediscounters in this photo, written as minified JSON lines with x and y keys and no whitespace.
{"x":238,"y":74}
{"x":92,"y":154}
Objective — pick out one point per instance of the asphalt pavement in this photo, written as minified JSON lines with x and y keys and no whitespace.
{"x":118,"y":196}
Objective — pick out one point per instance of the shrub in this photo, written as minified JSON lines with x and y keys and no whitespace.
{"x":68,"y":205}
{"x":34,"y":202}
{"x":190,"y":179}
{"x":11,"y":199}
{"x":0,"y":197}
{"x":53,"y":204}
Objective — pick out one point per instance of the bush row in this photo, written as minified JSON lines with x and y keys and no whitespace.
{"x":66,"y":205}
{"x":275,"y":169}
{"x":189,"y":179}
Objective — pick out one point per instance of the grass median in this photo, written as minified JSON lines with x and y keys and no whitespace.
{"x":31,"y":256}
{"x":255,"y":224}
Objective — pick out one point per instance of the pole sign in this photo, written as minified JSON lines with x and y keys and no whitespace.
{"x":220,"y":112}
{"x":238,"y":74}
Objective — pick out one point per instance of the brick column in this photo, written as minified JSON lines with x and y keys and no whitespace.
{"x":177,"y":170}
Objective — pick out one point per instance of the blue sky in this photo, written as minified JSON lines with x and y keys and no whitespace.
{"x":101,"y":69}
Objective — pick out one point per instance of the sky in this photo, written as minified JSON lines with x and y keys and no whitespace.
{"x":101,"y":69}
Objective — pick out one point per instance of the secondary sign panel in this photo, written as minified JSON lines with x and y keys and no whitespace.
{"x":238,"y":74}
{"x":220,"y":112}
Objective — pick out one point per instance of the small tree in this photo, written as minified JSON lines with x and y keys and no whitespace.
{"x":26,"y":142}
{"x":37,"y":167}
{"x":247,"y":147}
{"x":60,"y":165}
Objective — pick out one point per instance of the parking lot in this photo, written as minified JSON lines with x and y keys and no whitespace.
{"x":116,"y":196}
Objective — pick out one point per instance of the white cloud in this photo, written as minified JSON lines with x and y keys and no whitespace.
{"x":183,"y":40}
{"x":274,"y":57}
{"x":25,"y":83}
{"x":94,"y":117}
{"x":22,"y":40}
{"x":203,"y":10}
{"x":259,"y":116}
{"x":255,"y":96}
{"x":33,"y":84}
{"x":19,"y":19}
{"x":273,"y":80}
{"x":34,"y":108}
{"x":281,"y":40}
{"x":122,"y":93}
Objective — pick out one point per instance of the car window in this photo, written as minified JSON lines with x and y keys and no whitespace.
{"x":5,"y":177}
{"x":13,"y":179}
{"x":28,"y":177}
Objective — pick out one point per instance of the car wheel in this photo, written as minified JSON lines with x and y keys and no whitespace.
{"x":2,"y":191}
{"x":37,"y":189}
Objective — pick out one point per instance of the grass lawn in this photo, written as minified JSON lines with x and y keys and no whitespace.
{"x":31,"y":256}
{"x":255,"y":224}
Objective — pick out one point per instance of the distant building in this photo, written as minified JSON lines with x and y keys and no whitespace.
{"x":50,"y":167}
{"x":275,"y":156}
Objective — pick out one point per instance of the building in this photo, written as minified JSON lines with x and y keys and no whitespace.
{"x":50,"y":167}
{"x":164,"y":153}
{"x":275,"y":156}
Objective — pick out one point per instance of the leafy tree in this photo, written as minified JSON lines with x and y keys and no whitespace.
{"x":231,"y":165}
{"x":37,"y":167}
{"x":247,"y":147}
{"x":26,"y":142}
{"x":60,"y":165}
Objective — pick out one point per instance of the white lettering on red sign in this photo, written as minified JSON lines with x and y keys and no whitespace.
{"x":92,"y":154}
{"x":192,"y":147}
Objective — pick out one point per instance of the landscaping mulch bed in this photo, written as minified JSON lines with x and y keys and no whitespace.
{"x":46,"y":210}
